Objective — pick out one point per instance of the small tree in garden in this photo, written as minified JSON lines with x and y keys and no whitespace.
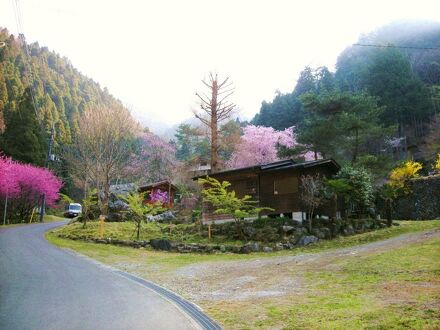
{"x":312,"y":187}
{"x":90,"y":200}
{"x":335,"y":188}
{"x":397,"y":185}
{"x":227,"y":202}
{"x":388,"y":193}
{"x":361,"y":194}
{"x":400,"y":176}
{"x":139,"y":210}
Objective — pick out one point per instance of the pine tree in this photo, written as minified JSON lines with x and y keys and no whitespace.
{"x":24,"y":139}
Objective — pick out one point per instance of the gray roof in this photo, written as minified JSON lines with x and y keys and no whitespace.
{"x":279,"y":165}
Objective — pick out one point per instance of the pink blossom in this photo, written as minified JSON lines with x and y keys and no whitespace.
{"x":158,"y":195}
{"x":258,"y":145}
{"x":154,"y":159}
{"x":28,"y":182}
{"x":8,"y":184}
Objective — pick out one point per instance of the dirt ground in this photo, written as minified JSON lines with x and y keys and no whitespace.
{"x":270,"y":277}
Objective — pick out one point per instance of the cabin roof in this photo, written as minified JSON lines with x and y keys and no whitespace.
{"x":277,"y":166}
{"x":156,"y":184}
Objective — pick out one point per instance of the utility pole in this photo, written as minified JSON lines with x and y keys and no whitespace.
{"x":46,"y":165}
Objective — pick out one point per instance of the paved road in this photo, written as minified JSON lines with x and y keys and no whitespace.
{"x":43,"y":287}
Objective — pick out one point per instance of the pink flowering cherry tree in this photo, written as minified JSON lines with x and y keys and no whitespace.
{"x":259,"y":145}
{"x":22,"y":185}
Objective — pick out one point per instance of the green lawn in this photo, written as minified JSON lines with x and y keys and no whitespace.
{"x":399,"y":289}
{"x":395,"y":289}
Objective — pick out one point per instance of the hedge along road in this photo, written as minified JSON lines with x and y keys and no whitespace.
{"x":43,"y":287}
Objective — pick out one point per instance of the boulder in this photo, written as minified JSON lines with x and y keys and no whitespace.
{"x":288,"y":229}
{"x":161,"y":244}
{"x":279,"y":246}
{"x":306,"y":240}
{"x":267,"y":249}
{"x":246,"y":249}
{"x":288,"y":246}
{"x":114,"y":217}
{"x":348,"y":230}
{"x":254,"y":247}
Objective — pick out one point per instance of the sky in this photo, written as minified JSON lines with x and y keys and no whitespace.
{"x":152,"y":55}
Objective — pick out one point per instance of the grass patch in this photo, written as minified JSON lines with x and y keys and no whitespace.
{"x":399,"y":289}
{"x":52,"y":218}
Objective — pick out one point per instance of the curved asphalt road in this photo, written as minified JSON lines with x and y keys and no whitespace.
{"x":43,"y":287}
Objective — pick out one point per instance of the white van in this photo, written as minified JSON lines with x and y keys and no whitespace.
{"x":73,"y":210}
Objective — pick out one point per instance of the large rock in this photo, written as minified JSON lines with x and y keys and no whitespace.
{"x":288,"y":229}
{"x":161,"y":244}
{"x":253,"y":247}
{"x":306,"y":240}
{"x":114,"y":217}
{"x":348,"y":230}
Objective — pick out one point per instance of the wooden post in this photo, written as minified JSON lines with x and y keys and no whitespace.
{"x":209,"y":231}
{"x":32,"y":215}
{"x":101,"y":225}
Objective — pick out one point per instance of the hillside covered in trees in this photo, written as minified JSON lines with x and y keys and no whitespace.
{"x":390,"y":79}
{"x":59,"y":91}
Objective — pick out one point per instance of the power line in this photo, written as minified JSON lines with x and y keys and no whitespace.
{"x":27,"y":57}
{"x":392,"y":46}
{"x":28,"y":64}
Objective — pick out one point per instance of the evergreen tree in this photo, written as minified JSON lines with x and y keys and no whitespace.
{"x":24,"y":138}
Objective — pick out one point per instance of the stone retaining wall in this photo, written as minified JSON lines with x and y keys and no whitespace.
{"x":422,"y":203}
{"x":292,"y":237}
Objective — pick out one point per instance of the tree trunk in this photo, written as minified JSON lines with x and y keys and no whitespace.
{"x":310,"y":220}
{"x":214,"y":128}
{"x":138,"y":229}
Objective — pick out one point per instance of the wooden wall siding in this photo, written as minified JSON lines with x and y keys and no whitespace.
{"x":282,"y":202}
{"x":261,"y":187}
{"x":242,"y":184}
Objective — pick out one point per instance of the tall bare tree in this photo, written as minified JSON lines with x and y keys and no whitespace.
{"x":102,"y":147}
{"x":215,"y":108}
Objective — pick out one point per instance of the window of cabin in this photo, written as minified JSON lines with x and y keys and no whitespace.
{"x":244,"y":187}
{"x":285,"y":186}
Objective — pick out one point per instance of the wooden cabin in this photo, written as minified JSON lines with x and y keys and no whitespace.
{"x":164,"y":185}
{"x":274,"y":185}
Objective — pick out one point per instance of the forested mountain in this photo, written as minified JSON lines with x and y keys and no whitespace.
{"x":405,"y":80}
{"x":60,"y":93}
